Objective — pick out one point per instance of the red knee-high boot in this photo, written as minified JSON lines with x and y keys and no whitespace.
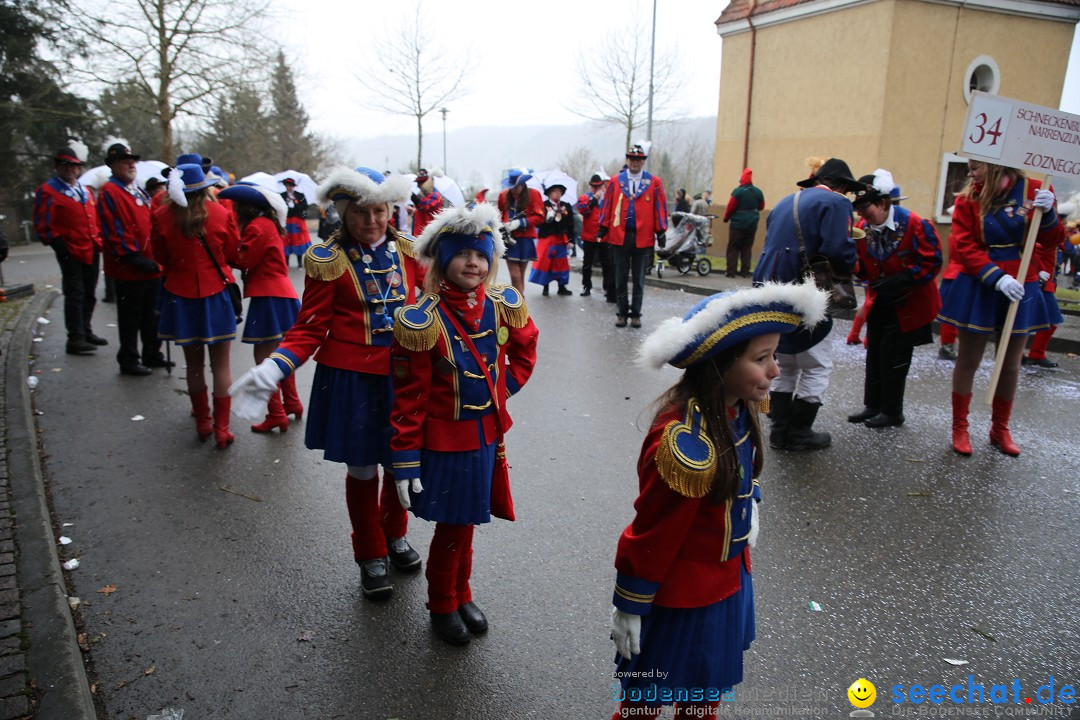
{"x":961,"y":441}
{"x":473,"y":616}
{"x":291,"y":399}
{"x":222,"y":406}
{"x":1000,"y":437}
{"x":275,"y":416}
{"x":1039,"y":343}
{"x":362,"y":502}
{"x":442,"y":568}
{"x":200,"y":410}
{"x":393,"y":517}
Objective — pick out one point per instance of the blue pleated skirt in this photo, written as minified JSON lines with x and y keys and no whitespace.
{"x":551,"y":264}
{"x":196,"y":321}
{"x":696,"y":647}
{"x":268,"y":318}
{"x":970,"y":305}
{"x":296,"y":249}
{"x":457,"y":486}
{"x":348,"y":416}
{"x":524,"y":250}
{"x":1053,"y":312}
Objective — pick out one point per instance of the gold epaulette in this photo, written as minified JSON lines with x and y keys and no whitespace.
{"x":327,"y":261}
{"x":511,"y":305}
{"x":404,"y":243}
{"x":686,"y":458}
{"x":417,"y":326}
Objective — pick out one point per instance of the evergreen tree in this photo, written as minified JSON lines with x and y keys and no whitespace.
{"x":293,"y":146}
{"x":237,"y":139}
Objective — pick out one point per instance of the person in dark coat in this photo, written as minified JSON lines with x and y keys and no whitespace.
{"x":743,"y":211}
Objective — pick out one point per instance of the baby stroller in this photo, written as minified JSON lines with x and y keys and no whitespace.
{"x":687,"y":239}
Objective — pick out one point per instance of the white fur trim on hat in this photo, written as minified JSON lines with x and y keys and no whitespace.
{"x":470,"y":219}
{"x":675,"y":333}
{"x":364,"y":190}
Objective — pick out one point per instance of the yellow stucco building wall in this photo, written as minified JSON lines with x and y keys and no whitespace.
{"x":879,"y":84}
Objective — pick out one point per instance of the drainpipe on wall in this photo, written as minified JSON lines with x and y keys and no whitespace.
{"x":750,"y":84}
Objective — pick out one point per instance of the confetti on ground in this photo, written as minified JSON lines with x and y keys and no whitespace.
{"x":42,"y":321}
{"x":32,"y":381}
{"x":38,"y":339}
{"x":815,"y":607}
{"x":56,"y":370}
{"x":65,"y":540}
{"x":920,"y":493}
{"x":107,"y":590}
{"x":137,"y":418}
{"x":228,"y":489}
{"x":956,"y":662}
{"x":71,"y":564}
{"x":74,"y":603}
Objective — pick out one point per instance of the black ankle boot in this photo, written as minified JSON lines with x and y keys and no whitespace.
{"x":473,"y":617}
{"x":450,"y":628}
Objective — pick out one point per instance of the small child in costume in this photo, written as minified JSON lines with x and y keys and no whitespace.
{"x":684,"y":601}
{"x":458,"y":353}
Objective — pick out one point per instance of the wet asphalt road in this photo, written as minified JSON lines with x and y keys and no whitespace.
{"x":236,"y":595}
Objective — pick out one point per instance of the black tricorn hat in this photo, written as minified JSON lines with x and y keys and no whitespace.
{"x":835,"y":171}
{"x":868,"y":194}
{"x":119,"y":151}
{"x":67,"y":155}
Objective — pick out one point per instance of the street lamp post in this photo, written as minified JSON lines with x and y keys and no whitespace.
{"x":444,"y":111}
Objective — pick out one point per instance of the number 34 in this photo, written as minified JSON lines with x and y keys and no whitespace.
{"x":994,"y":131}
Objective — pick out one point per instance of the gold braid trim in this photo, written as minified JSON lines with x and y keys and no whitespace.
{"x":689,"y":477}
{"x":515,"y":315}
{"x":762,"y":407}
{"x":326,"y":268}
{"x":404,"y":243}
{"x":417,"y":327}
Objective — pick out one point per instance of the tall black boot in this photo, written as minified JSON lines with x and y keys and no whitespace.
{"x":779,"y":405}
{"x":800,"y":433}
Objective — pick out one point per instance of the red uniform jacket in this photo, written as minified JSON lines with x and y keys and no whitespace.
{"x":124,"y":212}
{"x":589,"y":209}
{"x":646,"y":210}
{"x":439,"y":390}
{"x":912,"y":248}
{"x":990,"y":246}
{"x":532,"y":215}
{"x":262,"y":261}
{"x":189,"y":272}
{"x":426,"y":208}
{"x":339,"y":321}
{"x":66,"y":213}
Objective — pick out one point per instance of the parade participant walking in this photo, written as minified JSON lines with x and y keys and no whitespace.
{"x":66,"y":220}
{"x":272,"y":308}
{"x":522,"y":211}
{"x":124,"y":212}
{"x":554,"y":236}
{"x":194,"y":239}
{"x":989,"y":227}
{"x":684,"y":599}
{"x":635,"y":215}
{"x":899,"y":257}
{"x":593,"y":250}
{"x":458,"y":354}
{"x":1047,"y":259}
{"x":743,"y":210}
{"x":355,"y":284}
{"x":426,"y":204}
{"x":297,"y":238}
{"x":819,"y":218}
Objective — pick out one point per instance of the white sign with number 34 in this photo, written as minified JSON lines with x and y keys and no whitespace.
{"x":1021,"y":135}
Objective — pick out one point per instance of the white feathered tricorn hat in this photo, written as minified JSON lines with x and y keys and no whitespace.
{"x":474,"y":225}
{"x":728,"y":318}
{"x":362,"y":186}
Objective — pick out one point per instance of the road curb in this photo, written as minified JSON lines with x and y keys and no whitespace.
{"x":54,"y":662}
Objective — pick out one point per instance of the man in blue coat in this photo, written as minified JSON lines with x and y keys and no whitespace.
{"x":822,"y":215}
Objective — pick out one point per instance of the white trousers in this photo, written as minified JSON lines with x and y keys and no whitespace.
{"x":806,"y":374}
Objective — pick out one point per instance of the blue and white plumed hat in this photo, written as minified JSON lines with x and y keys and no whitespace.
{"x":362,"y":186}
{"x":185,"y":179}
{"x":472,"y":226}
{"x":728,"y":318}
{"x":252,"y":194}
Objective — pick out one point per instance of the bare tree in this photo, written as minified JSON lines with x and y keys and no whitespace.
{"x":178,"y":54}
{"x":580,"y":164}
{"x":411,"y":74}
{"x":614,"y":80}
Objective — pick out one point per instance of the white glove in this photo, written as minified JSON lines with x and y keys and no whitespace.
{"x":252,"y":391}
{"x":1010,"y":288}
{"x":626,"y":632}
{"x":550,"y":215}
{"x":403,"y":491}
{"x":1043,"y":276}
{"x":513,"y":225}
{"x":1044,"y":199}
{"x":754,"y":525}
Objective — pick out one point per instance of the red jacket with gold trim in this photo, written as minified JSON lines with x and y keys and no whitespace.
{"x":124,"y":212}
{"x":66,"y":213}
{"x":346,"y":312}
{"x":646,"y":210}
{"x":262,"y":260}
{"x":532,"y":215}
{"x":441,"y":397}
{"x":188,"y":270}
{"x":425,"y":210}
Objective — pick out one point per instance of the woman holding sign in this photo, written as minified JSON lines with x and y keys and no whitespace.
{"x":990,"y":222}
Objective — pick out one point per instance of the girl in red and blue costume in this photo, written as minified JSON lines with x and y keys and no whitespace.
{"x":272,"y":305}
{"x":989,"y":227}
{"x":459,"y":353}
{"x":554,"y":238}
{"x":522,"y":212}
{"x":684,"y":598}
{"x":297,"y":238}
{"x":356,"y":282}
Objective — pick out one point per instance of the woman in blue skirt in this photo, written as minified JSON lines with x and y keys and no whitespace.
{"x":273,"y":304}
{"x":195,"y":240}
{"x":684,"y":600}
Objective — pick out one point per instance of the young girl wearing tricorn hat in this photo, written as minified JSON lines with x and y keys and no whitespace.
{"x":458,"y":354}
{"x":684,"y":599}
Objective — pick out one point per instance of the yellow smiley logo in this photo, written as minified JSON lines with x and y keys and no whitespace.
{"x":862,"y":693}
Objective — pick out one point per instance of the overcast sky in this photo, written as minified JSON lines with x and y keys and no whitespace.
{"x":535,"y":40}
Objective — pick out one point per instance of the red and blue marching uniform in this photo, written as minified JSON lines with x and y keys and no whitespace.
{"x":297,"y":238}
{"x":531,"y":216}
{"x":67,"y":213}
{"x":124,"y":212}
{"x":552,"y":259}
{"x":645,"y":210}
{"x":425,"y":209}
{"x":261,"y":259}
